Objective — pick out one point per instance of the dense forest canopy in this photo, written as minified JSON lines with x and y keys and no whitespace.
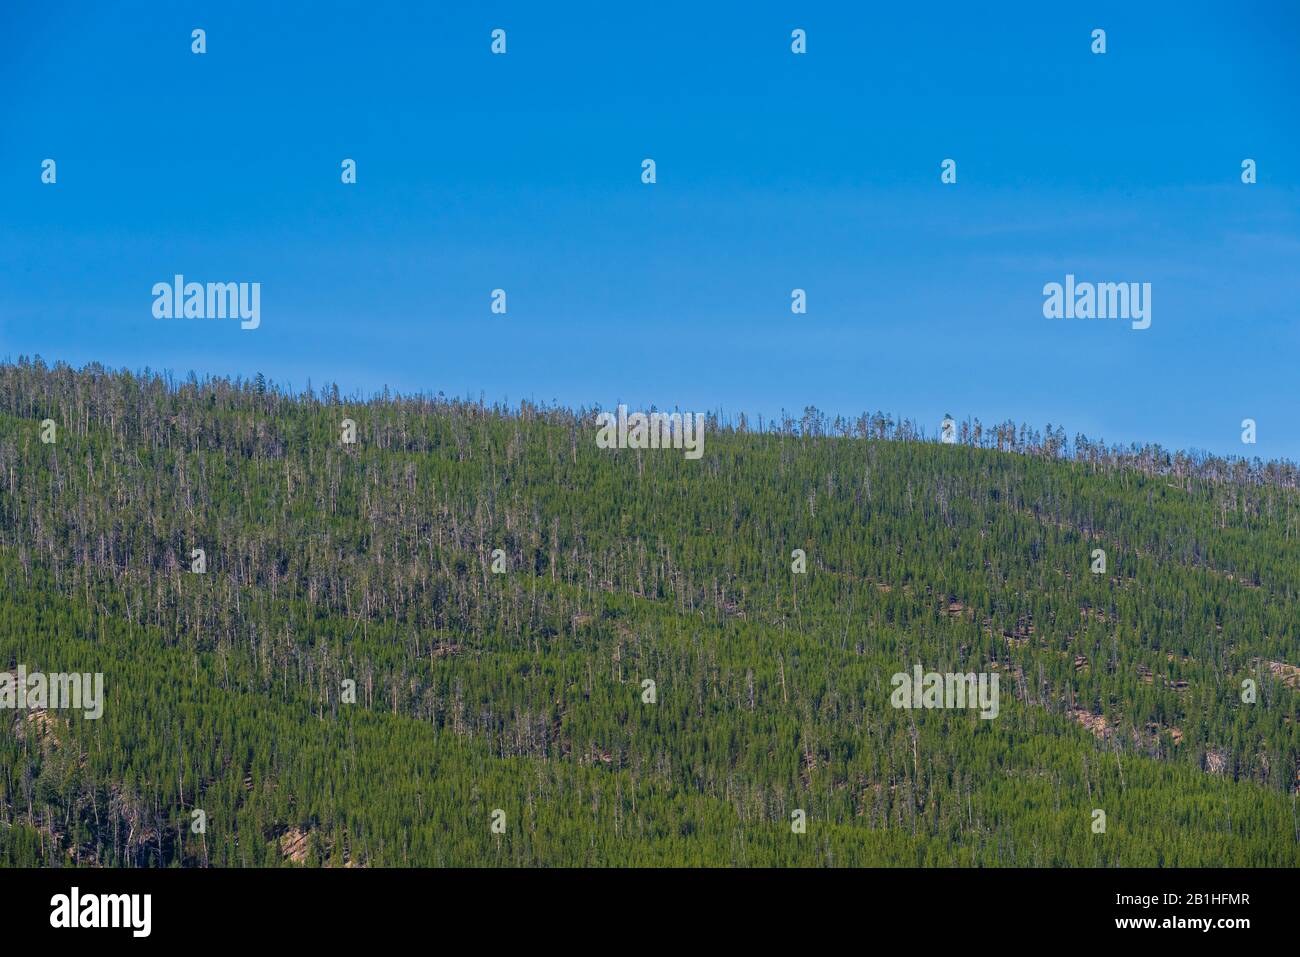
{"x":498,"y":591}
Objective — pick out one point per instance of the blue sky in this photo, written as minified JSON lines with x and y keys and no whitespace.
{"x":775,"y":171}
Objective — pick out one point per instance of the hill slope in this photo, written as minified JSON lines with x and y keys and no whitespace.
{"x":523,"y":691}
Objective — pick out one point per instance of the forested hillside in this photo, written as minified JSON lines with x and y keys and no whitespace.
{"x":522,"y":691}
